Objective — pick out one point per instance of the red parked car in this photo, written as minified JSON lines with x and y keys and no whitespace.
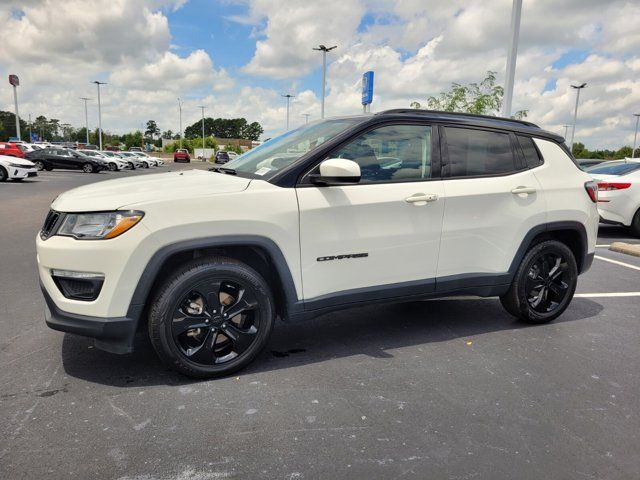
{"x":11,"y":149}
{"x":181,"y":155}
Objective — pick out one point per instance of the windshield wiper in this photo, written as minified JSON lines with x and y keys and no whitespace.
{"x":228,"y":171}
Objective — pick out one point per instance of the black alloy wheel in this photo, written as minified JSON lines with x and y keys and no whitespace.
{"x":39,"y":165}
{"x":211,"y":318}
{"x":544,"y":283}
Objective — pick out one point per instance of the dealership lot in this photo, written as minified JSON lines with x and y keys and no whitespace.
{"x":451,"y":388}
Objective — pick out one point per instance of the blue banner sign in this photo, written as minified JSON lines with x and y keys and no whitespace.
{"x":367,"y":88}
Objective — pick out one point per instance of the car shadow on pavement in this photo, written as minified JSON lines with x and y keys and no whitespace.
{"x":374,"y":331}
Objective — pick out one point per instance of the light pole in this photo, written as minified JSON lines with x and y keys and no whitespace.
{"x":511,"y":57}
{"x":15,"y":81}
{"x":180,"y":108}
{"x":202,"y":108}
{"x":30,"y":132}
{"x":566,"y":131}
{"x":288,"y":96}
{"x":633,"y":152}
{"x":324,"y":50}
{"x":575,"y":112}
{"x":86,"y":117}
{"x":99,"y":114}
{"x":306,"y":117}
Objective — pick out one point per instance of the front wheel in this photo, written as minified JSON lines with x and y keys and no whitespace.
{"x":544,"y":283}
{"x":635,"y":224}
{"x":3,"y":175}
{"x":113,"y":167}
{"x":39,"y":165}
{"x":87,"y":168}
{"x":211,"y":317}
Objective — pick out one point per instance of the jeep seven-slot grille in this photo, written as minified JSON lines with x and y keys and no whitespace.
{"x":49,"y":224}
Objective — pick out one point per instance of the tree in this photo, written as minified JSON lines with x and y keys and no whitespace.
{"x":8,"y":126}
{"x":253,"y":131}
{"x":167,"y":134}
{"x":225,"y":128}
{"x":484,"y":98}
{"x":152,"y":129}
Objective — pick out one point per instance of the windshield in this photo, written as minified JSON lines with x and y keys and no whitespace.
{"x":280,"y":152}
{"x":617,"y":169}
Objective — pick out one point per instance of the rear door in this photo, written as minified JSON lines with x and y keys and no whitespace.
{"x":493,"y":199}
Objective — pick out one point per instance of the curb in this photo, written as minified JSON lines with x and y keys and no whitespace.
{"x":628,"y":248}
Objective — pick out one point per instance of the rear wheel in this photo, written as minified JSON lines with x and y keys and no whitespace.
{"x":635,"y":224}
{"x":211,"y":317}
{"x":544,"y":283}
{"x":87,"y":168}
{"x":3,"y":175}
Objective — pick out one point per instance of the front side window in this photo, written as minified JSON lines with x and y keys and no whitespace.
{"x":394,"y":153}
{"x":477,"y":152}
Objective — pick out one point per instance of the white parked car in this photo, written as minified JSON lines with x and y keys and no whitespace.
{"x":14,"y":168}
{"x":132,"y":159}
{"x":314,"y":221}
{"x":156,"y":162}
{"x":114,"y":163}
{"x":619,"y":192}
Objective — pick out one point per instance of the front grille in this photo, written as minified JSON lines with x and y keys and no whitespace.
{"x":49,"y":224}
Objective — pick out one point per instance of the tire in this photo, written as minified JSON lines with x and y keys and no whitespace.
{"x":3,"y":175}
{"x":145,"y":164}
{"x":542,"y":289}
{"x":113,"y":167}
{"x":212,"y":286}
{"x":133,"y":167}
{"x":87,"y":168}
{"x":39,"y":165}
{"x":635,"y":224}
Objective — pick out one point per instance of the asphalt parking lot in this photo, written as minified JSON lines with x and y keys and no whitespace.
{"x":451,"y":388}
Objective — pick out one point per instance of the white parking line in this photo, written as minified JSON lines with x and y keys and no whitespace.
{"x":616,"y":262}
{"x":612,"y":294}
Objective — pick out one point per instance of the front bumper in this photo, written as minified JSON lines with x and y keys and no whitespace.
{"x":113,"y":334}
{"x":16,"y":172}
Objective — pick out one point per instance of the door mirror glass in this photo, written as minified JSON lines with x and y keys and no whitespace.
{"x":336,"y":171}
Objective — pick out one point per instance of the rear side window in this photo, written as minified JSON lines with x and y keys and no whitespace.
{"x":477,"y":152}
{"x":531,"y":155}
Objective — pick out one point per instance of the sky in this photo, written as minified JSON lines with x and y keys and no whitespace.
{"x":237,"y":58}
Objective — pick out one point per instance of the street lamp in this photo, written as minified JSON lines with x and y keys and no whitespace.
{"x":99,"y":113}
{"x":511,"y":57}
{"x":15,"y":81}
{"x":306,"y":117}
{"x":288,"y":96}
{"x":324,"y":50}
{"x":202,"y":107}
{"x":86,"y":117}
{"x":633,"y":152}
{"x":180,"y":108}
{"x":575,"y":112}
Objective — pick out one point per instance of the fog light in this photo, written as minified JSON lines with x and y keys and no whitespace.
{"x":78,"y":285}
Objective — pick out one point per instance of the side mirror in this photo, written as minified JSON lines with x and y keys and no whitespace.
{"x":336,"y":171}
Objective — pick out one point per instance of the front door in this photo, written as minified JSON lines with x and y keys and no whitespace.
{"x":378,"y":238}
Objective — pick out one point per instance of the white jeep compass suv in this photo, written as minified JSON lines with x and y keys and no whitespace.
{"x":397,"y":206}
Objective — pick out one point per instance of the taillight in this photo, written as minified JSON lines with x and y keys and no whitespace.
{"x":592,"y":191}
{"x":606,"y":186}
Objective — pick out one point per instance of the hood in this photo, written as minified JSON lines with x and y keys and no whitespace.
{"x":17,"y":160}
{"x":114,"y":194}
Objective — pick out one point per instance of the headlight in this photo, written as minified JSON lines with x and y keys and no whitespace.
{"x":97,"y":226}
{"x":19,"y":165}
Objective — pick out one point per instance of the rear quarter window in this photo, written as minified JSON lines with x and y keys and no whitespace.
{"x":531,"y":155}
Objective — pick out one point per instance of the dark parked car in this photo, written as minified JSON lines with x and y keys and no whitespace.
{"x":57,"y":157}
{"x":181,"y":155}
{"x":222,"y":157}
